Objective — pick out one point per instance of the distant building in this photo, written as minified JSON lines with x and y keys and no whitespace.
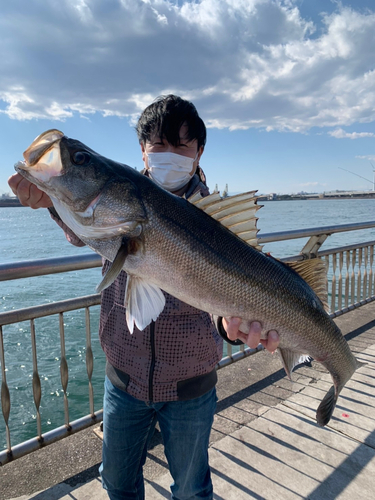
{"x":9,"y":201}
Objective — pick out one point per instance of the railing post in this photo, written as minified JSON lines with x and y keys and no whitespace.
{"x":347,"y":258}
{"x":89,"y":359}
{"x":370,"y":277}
{"x":37,"y":390}
{"x":341,"y":265}
{"x":365,"y":294}
{"x":352,"y":277}
{"x":359,"y":276}
{"x":333,"y":286}
{"x":64,"y":369}
{"x":5,"y":396}
{"x":310,"y":249}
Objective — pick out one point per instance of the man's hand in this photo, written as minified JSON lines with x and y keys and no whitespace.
{"x":28,"y":194}
{"x":252,"y":338}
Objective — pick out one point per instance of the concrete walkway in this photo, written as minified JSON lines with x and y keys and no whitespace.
{"x":278,"y":451}
{"x":284,"y":454}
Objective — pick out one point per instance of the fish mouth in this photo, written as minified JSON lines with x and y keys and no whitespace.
{"x":43,"y":143}
{"x":42,"y":158}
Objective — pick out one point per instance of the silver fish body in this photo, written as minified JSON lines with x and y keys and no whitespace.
{"x":165,"y":242}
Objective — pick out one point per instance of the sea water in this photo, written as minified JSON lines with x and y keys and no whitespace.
{"x":27,"y":234}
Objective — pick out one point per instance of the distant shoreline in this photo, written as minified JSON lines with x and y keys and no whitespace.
{"x":288,"y":197}
{"x":14,"y":202}
{"x":10,"y":202}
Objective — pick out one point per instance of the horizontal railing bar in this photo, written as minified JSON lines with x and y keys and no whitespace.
{"x":352,"y":307}
{"x":228,"y":360}
{"x":27,"y":313}
{"x":50,"y":437}
{"x":346,"y":248}
{"x":330,"y":251}
{"x":313,"y":231}
{"x":41,"y":267}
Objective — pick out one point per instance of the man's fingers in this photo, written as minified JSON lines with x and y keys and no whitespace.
{"x":231,"y":327}
{"x":14,"y":181}
{"x":28,"y":194}
{"x":272,"y":341}
{"x":255,"y":329}
{"x":253,"y":337}
{"x":36,"y":197}
{"x":23,"y":191}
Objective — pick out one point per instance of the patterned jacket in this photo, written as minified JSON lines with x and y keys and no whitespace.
{"x":174,"y":358}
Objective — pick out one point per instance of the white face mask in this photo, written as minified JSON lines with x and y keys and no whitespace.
{"x":170,"y":170}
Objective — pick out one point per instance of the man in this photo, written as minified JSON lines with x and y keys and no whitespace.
{"x":165,"y":373}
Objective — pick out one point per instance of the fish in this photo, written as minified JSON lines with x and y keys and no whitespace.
{"x":203,"y":251}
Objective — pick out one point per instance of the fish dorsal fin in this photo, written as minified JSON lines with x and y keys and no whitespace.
{"x":204,"y":201}
{"x":314,"y":272}
{"x":236,"y":213}
{"x":144,"y":302}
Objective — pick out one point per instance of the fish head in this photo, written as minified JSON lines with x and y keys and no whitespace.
{"x":96,"y":197}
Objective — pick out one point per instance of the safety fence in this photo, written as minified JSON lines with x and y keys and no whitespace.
{"x":350,"y":281}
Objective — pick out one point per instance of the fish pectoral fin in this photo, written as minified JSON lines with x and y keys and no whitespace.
{"x":144,"y":302}
{"x":291,"y":359}
{"x":116,"y":266}
{"x":314,"y":272}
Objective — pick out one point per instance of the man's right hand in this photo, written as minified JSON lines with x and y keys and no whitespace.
{"x":28,"y":194}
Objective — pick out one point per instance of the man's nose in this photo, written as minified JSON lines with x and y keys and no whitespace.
{"x":169,"y":148}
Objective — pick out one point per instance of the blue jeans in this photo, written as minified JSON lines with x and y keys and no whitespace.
{"x":128,"y":426}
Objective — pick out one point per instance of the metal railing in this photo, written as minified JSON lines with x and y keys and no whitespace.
{"x":351,"y":284}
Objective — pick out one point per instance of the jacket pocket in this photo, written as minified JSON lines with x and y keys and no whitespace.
{"x":118,"y":378}
{"x":196,"y":386}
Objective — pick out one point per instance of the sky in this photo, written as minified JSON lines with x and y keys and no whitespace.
{"x":286,"y":87}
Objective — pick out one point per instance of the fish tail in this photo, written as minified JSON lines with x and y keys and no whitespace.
{"x":326,"y":407}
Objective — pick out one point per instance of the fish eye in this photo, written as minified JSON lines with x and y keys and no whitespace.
{"x":81,"y":158}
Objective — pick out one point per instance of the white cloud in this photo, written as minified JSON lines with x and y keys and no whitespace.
{"x":310,"y":184}
{"x":366,"y":157}
{"x":83,"y":10}
{"x":19,"y":105}
{"x":244,"y":63}
{"x":341,"y":134}
{"x":309,"y":187}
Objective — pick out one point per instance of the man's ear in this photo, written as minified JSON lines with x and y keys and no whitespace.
{"x":143,"y":152}
{"x":200,"y":152}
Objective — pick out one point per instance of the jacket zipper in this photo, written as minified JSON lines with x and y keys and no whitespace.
{"x":152,"y":366}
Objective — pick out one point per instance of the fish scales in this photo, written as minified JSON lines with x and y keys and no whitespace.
{"x":235,"y":268}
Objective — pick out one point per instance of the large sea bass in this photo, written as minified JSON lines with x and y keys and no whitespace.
{"x":166,"y":242}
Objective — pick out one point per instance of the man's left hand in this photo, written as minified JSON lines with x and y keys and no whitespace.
{"x":252,"y":338}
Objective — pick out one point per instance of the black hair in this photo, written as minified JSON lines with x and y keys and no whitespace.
{"x":164,"y":118}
